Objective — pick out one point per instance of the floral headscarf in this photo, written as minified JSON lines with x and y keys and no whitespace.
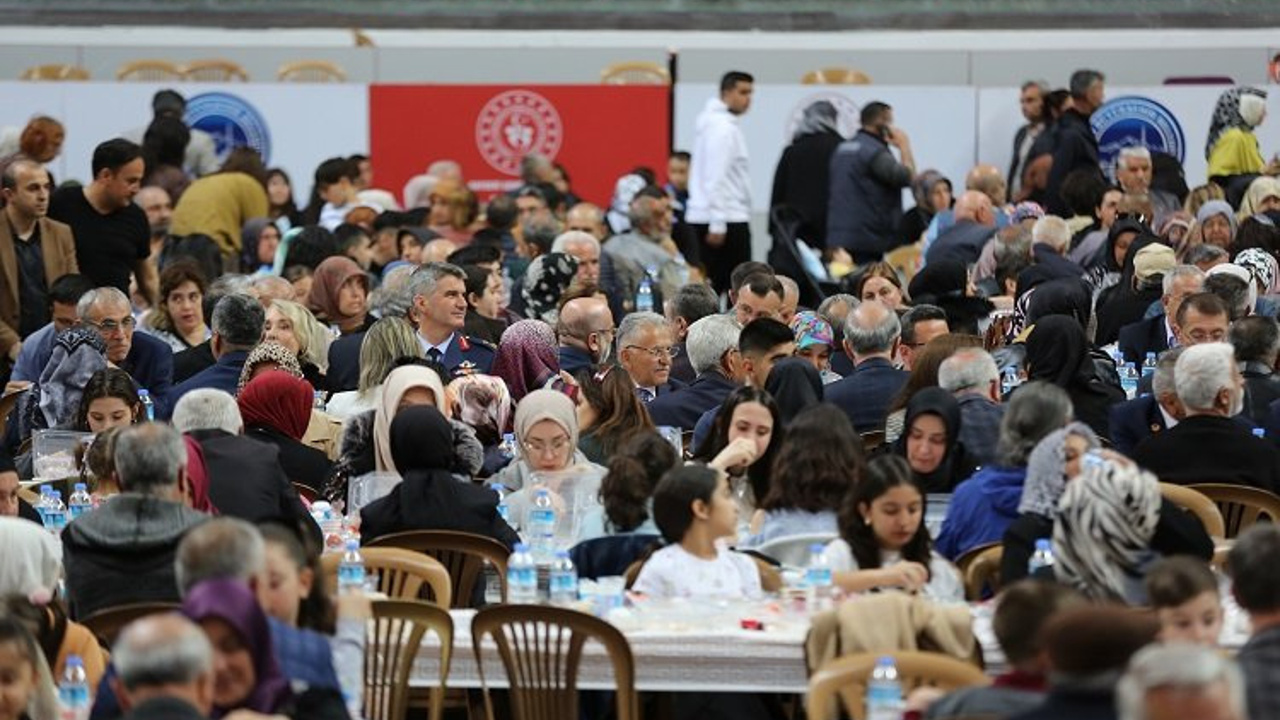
{"x":545,"y":281}
{"x":810,"y":329}
{"x":1230,"y":112}
{"x":54,"y":401}
{"x":1263,"y":267}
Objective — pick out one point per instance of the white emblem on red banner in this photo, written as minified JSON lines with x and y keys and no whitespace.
{"x":515,"y":123}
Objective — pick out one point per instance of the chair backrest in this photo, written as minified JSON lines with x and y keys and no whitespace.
{"x":836,"y":76}
{"x":306,"y":492}
{"x":214,"y":71}
{"x":793,"y":550}
{"x":635,"y":73}
{"x":402,"y":574}
{"x":462,"y":554}
{"x":311,"y":71}
{"x":149,"y":71}
{"x":1241,"y":506}
{"x":982,"y":572}
{"x":872,"y":439}
{"x":392,"y":639}
{"x":609,"y":555}
{"x":541,"y":649}
{"x":847,"y":677}
{"x":1198,"y":504}
{"x":107,"y":623}
{"x":55,"y":72}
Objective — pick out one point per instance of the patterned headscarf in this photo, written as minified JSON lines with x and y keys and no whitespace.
{"x":624,"y":192}
{"x":1046,"y":470}
{"x":54,"y":402}
{"x":1026,"y":211}
{"x":810,"y":329}
{"x":526,"y":357}
{"x":268,"y":352}
{"x":1102,"y":535}
{"x":484,"y":403}
{"x":1227,"y":114}
{"x":1263,"y":267}
{"x":545,"y":281}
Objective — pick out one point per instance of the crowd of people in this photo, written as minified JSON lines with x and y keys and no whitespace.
{"x":1039,"y":352}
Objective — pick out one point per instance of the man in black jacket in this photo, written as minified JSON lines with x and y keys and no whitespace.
{"x":864,"y":205}
{"x":1257,"y":342}
{"x":1076,"y":147}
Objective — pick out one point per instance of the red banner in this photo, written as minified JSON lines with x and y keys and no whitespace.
{"x":597,"y":132}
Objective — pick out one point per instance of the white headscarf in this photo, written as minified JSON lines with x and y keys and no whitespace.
{"x":32,"y":560}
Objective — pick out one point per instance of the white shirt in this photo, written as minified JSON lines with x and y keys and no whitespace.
{"x":674,"y":572}
{"x":1169,"y":420}
{"x":442,"y":347}
{"x":331,"y":216}
{"x":719,"y":177}
{"x":944,"y":581}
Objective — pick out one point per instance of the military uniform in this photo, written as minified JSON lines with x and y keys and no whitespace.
{"x":464,"y":355}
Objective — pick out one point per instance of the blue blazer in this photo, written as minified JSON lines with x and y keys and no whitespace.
{"x":682,"y":408}
{"x":1133,"y":421}
{"x":1138,"y":339}
{"x":344,"y":362}
{"x":864,"y":395}
{"x":224,"y":375}
{"x":573,"y":359}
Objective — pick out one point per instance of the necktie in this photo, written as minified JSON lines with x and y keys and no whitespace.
{"x":434,"y":355}
{"x":645,"y":395}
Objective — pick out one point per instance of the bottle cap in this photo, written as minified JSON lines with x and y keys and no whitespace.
{"x":884,"y":660}
{"x":816,"y":548}
{"x":521,"y":547}
{"x":562,"y":553}
{"x":142,"y":392}
{"x":352,"y":545}
{"x":75,"y":661}
{"x":81,"y":486}
{"x":1044,"y":544}
{"x":540,"y":492}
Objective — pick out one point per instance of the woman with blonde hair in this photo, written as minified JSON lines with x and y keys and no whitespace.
{"x":386,"y":341}
{"x":293,"y":326}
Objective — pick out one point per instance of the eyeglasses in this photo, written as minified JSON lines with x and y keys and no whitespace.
{"x":1139,"y":217}
{"x":540,"y":448}
{"x":107,"y":327}
{"x":670,"y":350}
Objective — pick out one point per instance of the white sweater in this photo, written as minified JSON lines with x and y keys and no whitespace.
{"x":719,"y":179}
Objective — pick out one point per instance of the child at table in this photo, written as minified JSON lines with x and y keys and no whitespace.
{"x":694,"y":508}
{"x":26,"y":688}
{"x":1184,"y":594}
{"x":883,"y":540}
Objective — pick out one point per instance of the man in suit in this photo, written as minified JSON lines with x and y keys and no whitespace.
{"x":713,"y":352}
{"x":975,"y":226}
{"x":34,"y":252}
{"x":148,"y":360}
{"x":164,"y":669}
{"x":439,"y":305}
{"x":585,"y":332}
{"x":247,"y":480}
{"x":645,"y":350}
{"x":1207,"y":445}
{"x":1135,"y":420}
{"x":1156,"y":334}
{"x":761,"y":344}
{"x":690,"y":304}
{"x":237,"y":327}
{"x":971,"y":375}
{"x":1031,"y":101}
{"x":1257,"y":342}
{"x":871,"y":336}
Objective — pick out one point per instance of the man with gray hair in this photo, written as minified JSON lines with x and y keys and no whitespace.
{"x":123,"y":552}
{"x":971,"y":375}
{"x":1176,"y":681}
{"x":690,"y":304}
{"x":1133,"y":173}
{"x":163,"y":669}
{"x":246,"y":478}
{"x":237,"y":327}
{"x":648,"y":246}
{"x":1252,"y":565}
{"x":1256,"y":340}
{"x":147,"y":359}
{"x":1077,"y":146}
{"x":1156,"y":334}
{"x":439,"y":292}
{"x":646,"y":347}
{"x":1132,"y":421}
{"x":1031,"y":100}
{"x":713,"y":353}
{"x":1211,"y":389}
{"x":871,"y":337}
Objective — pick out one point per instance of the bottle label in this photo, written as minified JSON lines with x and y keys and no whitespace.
{"x":350,"y":574}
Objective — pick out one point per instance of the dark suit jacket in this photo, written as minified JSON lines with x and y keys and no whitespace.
{"x":682,"y":408}
{"x":1210,"y":449}
{"x":301,"y":464}
{"x":962,"y":242}
{"x":680,"y":368}
{"x":864,"y":395}
{"x":1139,"y":338}
{"x":150,"y":364}
{"x":191,"y":361}
{"x":1133,"y":421}
{"x":224,"y":375}
{"x":57,"y":246}
{"x":164,"y":708}
{"x":246,"y":479}
{"x":1261,"y":388}
{"x":344,"y":362}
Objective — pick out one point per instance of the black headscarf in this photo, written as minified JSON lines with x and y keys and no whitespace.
{"x":421,"y":441}
{"x":954,"y":466}
{"x":1058,"y":352}
{"x":1063,"y":296}
{"x":938,"y":280}
{"x":1106,"y":255}
{"x":795,"y":384}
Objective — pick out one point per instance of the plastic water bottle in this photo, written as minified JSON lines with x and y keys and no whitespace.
{"x":1009,"y":381}
{"x":81,"y":502}
{"x":508,"y":447}
{"x":56,"y":513}
{"x":317,"y":400}
{"x":148,"y":405}
{"x":884,"y":692}
{"x":542,"y":527}
{"x":644,"y":295}
{"x":351,"y":569}
{"x":1041,"y":558}
{"x":1149,"y":365}
{"x":818,"y":576}
{"x":504,"y":510}
{"x":42,"y":506}
{"x":73,"y":690}
{"x":1260,"y":433}
{"x":522,"y":576}
{"x":564,"y":580}
{"x":1129,"y":380}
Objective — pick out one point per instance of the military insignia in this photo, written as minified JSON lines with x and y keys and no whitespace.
{"x":1155,"y":427}
{"x":466,"y":367}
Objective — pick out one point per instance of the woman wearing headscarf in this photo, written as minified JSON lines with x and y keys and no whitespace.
{"x":526,"y":359}
{"x":932,"y":192}
{"x":800,"y":181}
{"x":794,"y":385}
{"x":1265,"y":271}
{"x":265,"y":357}
{"x":1106,"y":533}
{"x":484,"y":403}
{"x":1058,"y":353}
{"x":1263,"y":195}
{"x":545,"y":282}
{"x":259,"y":240}
{"x":276,"y":408}
{"x":430,"y":497}
{"x":53,"y":402}
{"x":1232,"y":148}
{"x":945,"y":283}
{"x":28,"y":589}
{"x":546,"y":430}
{"x":930,"y":441}
{"x":1141,"y":284}
{"x":624,"y":191}
{"x":1215,"y":225}
{"x":247,"y":675}
{"x":815,"y":342}
{"x":340,"y":294}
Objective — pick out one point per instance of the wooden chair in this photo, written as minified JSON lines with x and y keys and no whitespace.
{"x":635,"y":73}
{"x":1198,"y":504}
{"x":55,"y":72}
{"x":1241,"y":506}
{"x":541,"y":650}
{"x":311,"y":71}
{"x":463,"y":555}
{"x":107,"y":623}
{"x":847,"y":677}
{"x":149,"y":71}
{"x":836,"y":76}
{"x":872,"y":439}
{"x":391,"y":646}
{"x":214,"y":71}
{"x":306,"y":492}
{"x":402,"y":574}
{"x":981,"y":570}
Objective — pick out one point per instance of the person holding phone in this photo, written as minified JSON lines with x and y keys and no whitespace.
{"x":864,"y":211}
